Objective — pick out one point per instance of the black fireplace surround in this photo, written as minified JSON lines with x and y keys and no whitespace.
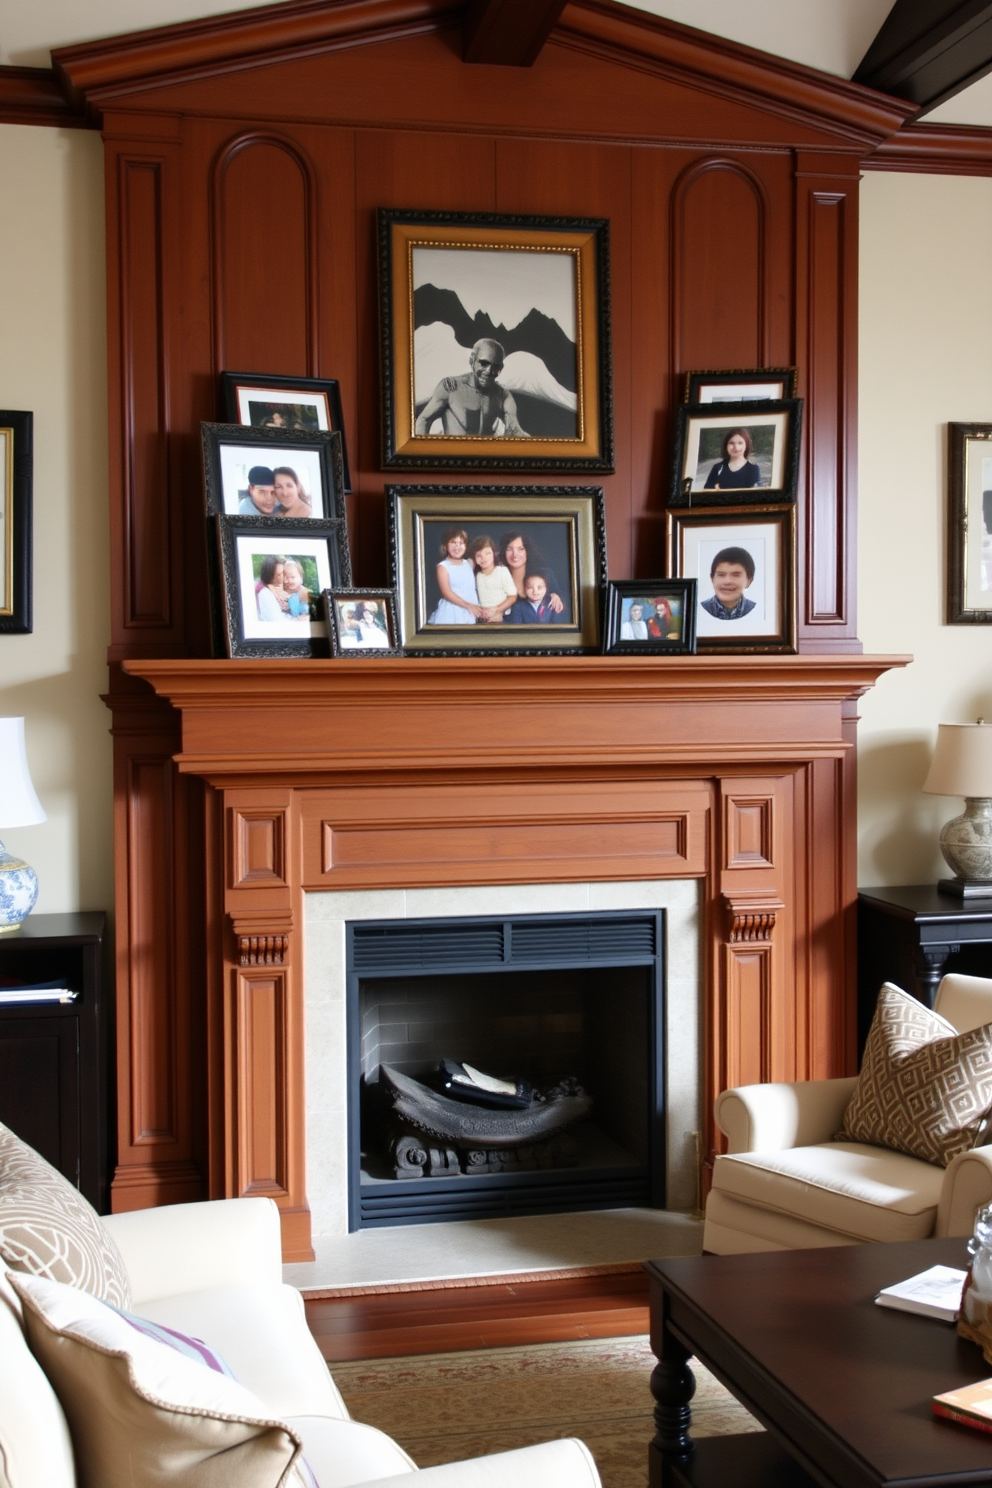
{"x":542,"y":998}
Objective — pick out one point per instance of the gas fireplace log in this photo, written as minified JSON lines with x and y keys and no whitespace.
{"x":479,"y":1127}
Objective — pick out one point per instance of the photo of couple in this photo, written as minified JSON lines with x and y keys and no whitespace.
{"x":273,"y":480}
{"x":283,"y":415}
{"x":658,"y":619}
{"x":512,"y":579}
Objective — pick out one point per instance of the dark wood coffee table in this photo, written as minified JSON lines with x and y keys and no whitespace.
{"x":843,"y":1386}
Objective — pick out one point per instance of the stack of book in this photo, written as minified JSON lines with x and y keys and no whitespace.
{"x":16,"y":995}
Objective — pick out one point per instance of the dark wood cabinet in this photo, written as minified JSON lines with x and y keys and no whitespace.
{"x":55,"y":1057}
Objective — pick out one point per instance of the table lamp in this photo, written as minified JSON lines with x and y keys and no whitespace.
{"x":962,"y":766}
{"x":19,"y":807}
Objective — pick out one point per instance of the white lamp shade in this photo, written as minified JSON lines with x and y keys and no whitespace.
{"x":19,"y":806}
{"x":962,"y":761}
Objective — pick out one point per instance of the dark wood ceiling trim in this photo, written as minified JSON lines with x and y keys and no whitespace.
{"x":102,"y":71}
{"x":34,"y":95}
{"x":935,"y":149}
{"x":928,"y":50}
{"x":509,"y":33}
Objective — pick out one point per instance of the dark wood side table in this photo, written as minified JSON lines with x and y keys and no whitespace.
{"x":912,"y":935}
{"x":842,"y":1386}
{"x":55,"y":1066}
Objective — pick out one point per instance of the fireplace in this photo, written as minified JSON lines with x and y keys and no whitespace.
{"x":555,"y":1001}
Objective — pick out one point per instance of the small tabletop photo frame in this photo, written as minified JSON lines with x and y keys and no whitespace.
{"x":736,"y":452}
{"x":740,"y":385}
{"x":361,"y":622}
{"x":743,"y":562}
{"x":650,"y":617}
{"x":280,"y":474}
{"x":303,"y":404}
{"x":272,"y":577}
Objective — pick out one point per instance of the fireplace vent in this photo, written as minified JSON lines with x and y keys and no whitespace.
{"x":431,"y":945}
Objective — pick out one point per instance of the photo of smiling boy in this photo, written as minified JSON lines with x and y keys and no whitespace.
{"x":731,"y":572}
{"x":535,"y":609}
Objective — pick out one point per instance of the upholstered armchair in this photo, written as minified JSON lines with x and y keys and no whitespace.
{"x":785,"y":1184}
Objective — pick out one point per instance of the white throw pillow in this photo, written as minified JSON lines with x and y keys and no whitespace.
{"x":143,"y":1415}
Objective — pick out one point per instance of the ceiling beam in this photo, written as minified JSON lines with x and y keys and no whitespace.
{"x":929,"y":50}
{"x":509,"y":33}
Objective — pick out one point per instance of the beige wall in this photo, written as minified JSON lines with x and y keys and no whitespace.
{"x":53,"y":362}
{"x":926,"y":360}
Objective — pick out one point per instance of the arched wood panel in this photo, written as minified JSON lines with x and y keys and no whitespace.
{"x":719,"y":267}
{"x":265,"y":270}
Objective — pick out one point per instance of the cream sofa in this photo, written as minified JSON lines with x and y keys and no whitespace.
{"x":213,"y":1270}
{"x":785,"y":1185}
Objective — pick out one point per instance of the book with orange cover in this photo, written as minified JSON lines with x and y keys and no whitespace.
{"x":969,"y":1406}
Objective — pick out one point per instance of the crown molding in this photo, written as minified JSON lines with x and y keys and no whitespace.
{"x":935,"y":149}
{"x":34,"y":95}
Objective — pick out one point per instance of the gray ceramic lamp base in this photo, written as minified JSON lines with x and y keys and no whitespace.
{"x":966,"y":843}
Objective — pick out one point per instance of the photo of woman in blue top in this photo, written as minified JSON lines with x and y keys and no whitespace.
{"x":736,"y":471}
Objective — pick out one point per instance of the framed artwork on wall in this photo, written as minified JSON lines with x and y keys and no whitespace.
{"x":646,"y":617}
{"x":743,"y":562}
{"x":300,"y":403}
{"x":969,"y":526}
{"x":745,"y":385}
{"x":741,"y":452}
{"x":279,"y":474}
{"x":16,"y":467}
{"x":495,"y":341}
{"x":362,"y":622}
{"x":272,"y":577}
{"x":498,"y":570}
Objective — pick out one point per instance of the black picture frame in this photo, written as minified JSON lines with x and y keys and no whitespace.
{"x":969,"y":524}
{"x":732,"y":385}
{"x":697,"y":446}
{"x":334,"y":601}
{"x":767,"y":533}
{"x":240,"y":540}
{"x":625,"y":596}
{"x":566,"y":523}
{"x":322,"y":395}
{"x":16,"y":481}
{"x":567,"y":259}
{"x":225,"y":447}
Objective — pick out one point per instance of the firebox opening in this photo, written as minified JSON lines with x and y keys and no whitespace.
{"x":588,"y":1017}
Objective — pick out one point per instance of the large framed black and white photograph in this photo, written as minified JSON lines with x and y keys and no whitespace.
{"x":738,"y":452}
{"x":743,"y":562}
{"x":969,"y":535}
{"x":16,"y":456}
{"x":495,"y":341}
{"x":740,"y":385}
{"x":272,"y":578}
{"x":498,"y":569}
{"x":304,"y":404}
{"x":650,"y":617}
{"x":285,"y":474}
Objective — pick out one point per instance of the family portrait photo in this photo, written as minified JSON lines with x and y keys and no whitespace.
{"x":652,"y":615}
{"x":743,"y":567}
{"x":969,"y":530}
{"x":272,"y":582}
{"x":491,"y":346}
{"x":256,"y":472}
{"x":298,"y":403}
{"x":477,"y":573}
{"x":726,"y":456}
{"x":361,"y":620}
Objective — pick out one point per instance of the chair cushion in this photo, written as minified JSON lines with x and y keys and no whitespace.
{"x":48,"y":1229}
{"x":143,"y":1415}
{"x":35,"y":1446}
{"x":342,"y":1453}
{"x":923,"y":1088}
{"x":868,"y":1193}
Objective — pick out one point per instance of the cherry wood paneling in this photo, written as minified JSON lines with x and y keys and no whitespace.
{"x":34,"y":95}
{"x":719,"y":232}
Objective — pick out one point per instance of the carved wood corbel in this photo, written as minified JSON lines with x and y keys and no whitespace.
{"x":751,"y":915}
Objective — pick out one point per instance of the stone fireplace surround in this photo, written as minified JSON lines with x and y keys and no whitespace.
{"x":735,"y":772}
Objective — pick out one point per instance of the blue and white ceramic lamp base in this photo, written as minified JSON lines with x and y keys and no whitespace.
{"x":18,"y":891}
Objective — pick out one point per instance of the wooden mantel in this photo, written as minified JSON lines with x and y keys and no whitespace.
{"x":736,"y":771}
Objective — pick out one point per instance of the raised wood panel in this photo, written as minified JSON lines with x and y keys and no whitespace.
{"x":719,"y":266}
{"x":749,"y":831}
{"x":265,"y":263}
{"x":258,"y":853}
{"x":748,"y":1017}
{"x":260,"y":1094}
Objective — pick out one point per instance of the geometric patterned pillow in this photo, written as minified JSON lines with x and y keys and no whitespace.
{"x":48,"y":1229}
{"x":924,"y":1088}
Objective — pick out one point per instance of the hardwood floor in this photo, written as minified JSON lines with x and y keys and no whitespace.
{"x":440,"y":1320}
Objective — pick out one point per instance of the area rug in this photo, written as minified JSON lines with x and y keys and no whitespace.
{"x":446,"y":1407}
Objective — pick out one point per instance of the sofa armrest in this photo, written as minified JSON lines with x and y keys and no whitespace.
{"x":967,"y":1187}
{"x":555,"y":1464}
{"x":191,"y":1247}
{"x":770,"y":1118}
